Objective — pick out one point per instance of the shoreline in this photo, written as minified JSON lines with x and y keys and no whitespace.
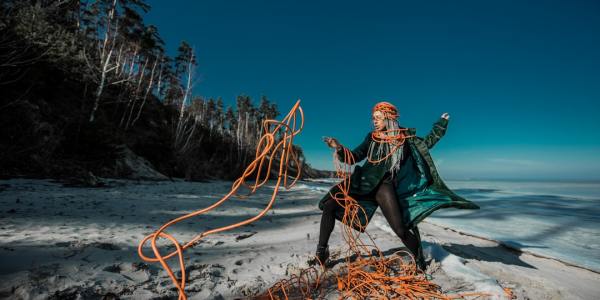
{"x":70,"y":241}
{"x":513,"y":248}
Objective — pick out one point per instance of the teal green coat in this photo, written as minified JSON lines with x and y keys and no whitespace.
{"x":419,"y":189}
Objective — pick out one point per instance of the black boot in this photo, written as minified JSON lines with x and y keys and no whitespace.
{"x":419,"y":256}
{"x":322,"y":255}
{"x":420,"y":260}
{"x":421,"y":264}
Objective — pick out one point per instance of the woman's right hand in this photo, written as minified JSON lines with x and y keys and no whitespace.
{"x":331,"y":142}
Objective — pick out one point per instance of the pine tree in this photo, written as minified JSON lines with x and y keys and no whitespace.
{"x":220,"y":116}
{"x":211,"y":113}
{"x":231,"y":120}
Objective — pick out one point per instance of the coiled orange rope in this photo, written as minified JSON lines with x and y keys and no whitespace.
{"x":394,"y":137}
{"x":389,"y":110}
{"x":368,"y":276}
{"x":266,"y":150}
{"x":371,"y":275}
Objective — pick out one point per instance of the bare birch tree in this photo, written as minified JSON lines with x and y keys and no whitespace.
{"x":106,"y":55}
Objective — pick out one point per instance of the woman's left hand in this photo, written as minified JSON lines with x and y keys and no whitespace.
{"x":446,"y":116}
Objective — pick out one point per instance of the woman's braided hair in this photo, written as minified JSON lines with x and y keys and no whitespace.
{"x":387,"y":145}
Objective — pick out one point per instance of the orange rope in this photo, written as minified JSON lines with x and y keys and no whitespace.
{"x":369,"y":276}
{"x":266,"y":150}
{"x":395,"y":137}
{"x":509,"y":293}
{"x":389,"y":110}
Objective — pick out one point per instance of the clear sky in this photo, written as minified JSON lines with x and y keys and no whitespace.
{"x":520,"y":79}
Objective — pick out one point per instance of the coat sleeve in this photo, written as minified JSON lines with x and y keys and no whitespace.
{"x":437,"y":132}
{"x":360,"y":152}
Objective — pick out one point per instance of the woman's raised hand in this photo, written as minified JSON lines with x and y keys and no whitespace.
{"x":331,"y":142}
{"x":446,"y":116}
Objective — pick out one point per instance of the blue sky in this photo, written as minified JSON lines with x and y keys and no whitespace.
{"x":520,"y":79}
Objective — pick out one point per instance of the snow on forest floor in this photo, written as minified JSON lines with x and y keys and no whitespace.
{"x":60,"y":242}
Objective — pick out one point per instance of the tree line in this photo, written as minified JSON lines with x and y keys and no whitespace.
{"x":87,"y":75}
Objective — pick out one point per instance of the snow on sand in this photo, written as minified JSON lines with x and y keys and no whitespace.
{"x":60,"y":242}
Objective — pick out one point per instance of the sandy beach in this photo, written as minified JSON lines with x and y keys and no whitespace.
{"x":80,"y":243}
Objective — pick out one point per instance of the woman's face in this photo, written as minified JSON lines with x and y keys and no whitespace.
{"x":378,"y":120}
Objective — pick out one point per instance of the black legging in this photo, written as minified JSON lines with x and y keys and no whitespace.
{"x":386,"y":198}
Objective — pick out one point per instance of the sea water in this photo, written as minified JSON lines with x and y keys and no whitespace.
{"x":553,"y":219}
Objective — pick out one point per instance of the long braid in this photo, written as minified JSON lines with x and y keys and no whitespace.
{"x":387,"y":145}
{"x":378,"y":150}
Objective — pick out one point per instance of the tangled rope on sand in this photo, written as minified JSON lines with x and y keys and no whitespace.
{"x":268,"y":150}
{"x":367,"y":273}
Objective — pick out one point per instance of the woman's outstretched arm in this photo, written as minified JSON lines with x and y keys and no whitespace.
{"x":359,"y":153}
{"x":437,"y":132}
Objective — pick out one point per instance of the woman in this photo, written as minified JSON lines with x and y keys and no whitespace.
{"x":399,"y":176}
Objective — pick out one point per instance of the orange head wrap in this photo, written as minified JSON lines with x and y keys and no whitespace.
{"x":389,"y":110}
